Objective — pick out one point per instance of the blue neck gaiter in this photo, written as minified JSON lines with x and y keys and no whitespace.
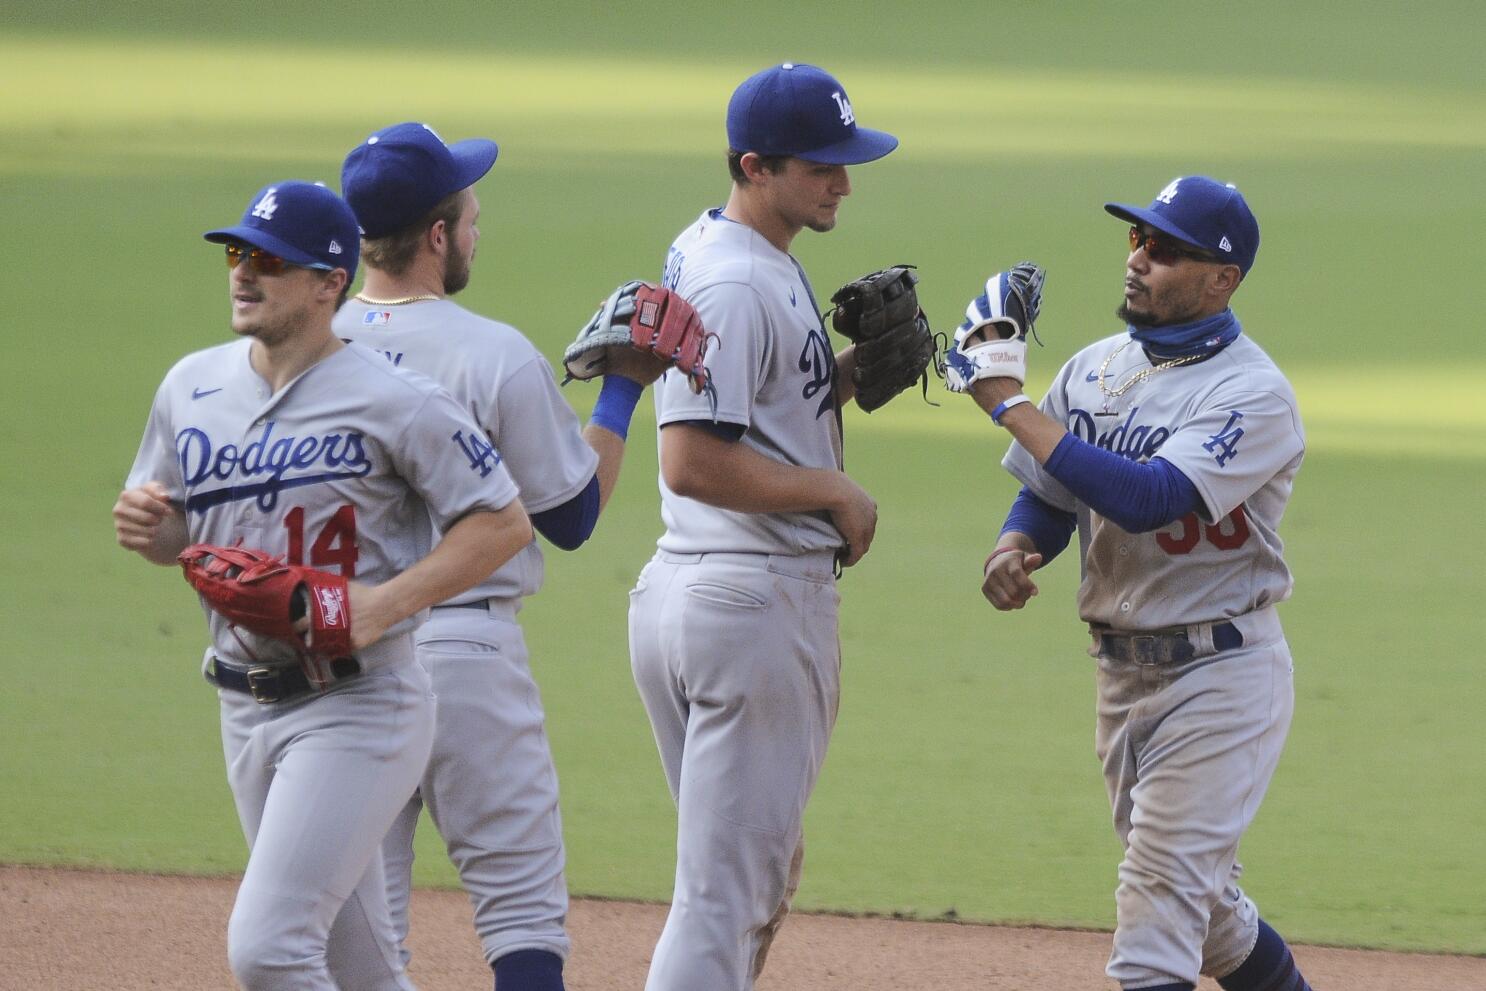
{"x":1201,"y":337}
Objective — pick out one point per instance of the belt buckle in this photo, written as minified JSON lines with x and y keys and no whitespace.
{"x":1172,"y":648}
{"x":259,"y":681}
{"x":1143,"y":648}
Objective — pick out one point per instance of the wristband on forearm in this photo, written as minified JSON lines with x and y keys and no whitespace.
{"x":1001,"y":409}
{"x":616,"y":404}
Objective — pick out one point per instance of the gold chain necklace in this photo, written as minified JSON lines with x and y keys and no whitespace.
{"x":1139,"y":376}
{"x":395,"y":302}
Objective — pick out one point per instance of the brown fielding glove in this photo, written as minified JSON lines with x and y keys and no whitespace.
{"x":261,"y":593}
{"x":652,"y":319}
{"x":880,"y":314}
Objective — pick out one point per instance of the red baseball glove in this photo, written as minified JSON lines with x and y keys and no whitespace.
{"x":304,"y":607}
{"x":650,"y":318}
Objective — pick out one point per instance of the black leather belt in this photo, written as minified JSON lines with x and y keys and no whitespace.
{"x":495,"y":608}
{"x":1163,"y":646}
{"x":276,"y":684}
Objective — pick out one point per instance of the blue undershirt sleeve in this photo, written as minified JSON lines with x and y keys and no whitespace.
{"x":1047,"y":525}
{"x":571,"y":523}
{"x":1135,"y":497}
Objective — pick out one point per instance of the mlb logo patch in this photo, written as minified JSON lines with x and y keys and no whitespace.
{"x":373,"y":317}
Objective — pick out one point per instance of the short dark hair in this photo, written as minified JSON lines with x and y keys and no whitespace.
{"x":774,"y":163}
{"x":394,"y":253}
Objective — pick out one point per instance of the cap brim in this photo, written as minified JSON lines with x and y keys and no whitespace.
{"x":256,"y":238}
{"x":473,"y":158}
{"x":866,"y":145}
{"x":1140,"y":215}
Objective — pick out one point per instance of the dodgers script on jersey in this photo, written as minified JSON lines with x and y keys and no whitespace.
{"x":507,"y":386}
{"x":1231,"y":425}
{"x":775,"y":374}
{"x":315,"y":471}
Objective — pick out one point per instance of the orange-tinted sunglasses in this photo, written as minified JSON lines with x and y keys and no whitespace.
{"x":1163,"y":249}
{"x":261,"y":261}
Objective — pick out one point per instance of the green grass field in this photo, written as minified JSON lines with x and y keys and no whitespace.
{"x":961,"y":779}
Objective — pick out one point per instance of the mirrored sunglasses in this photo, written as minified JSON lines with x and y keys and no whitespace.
{"x":1163,"y":249}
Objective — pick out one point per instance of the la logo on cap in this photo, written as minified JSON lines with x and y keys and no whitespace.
{"x":844,"y":105}
{"x":1169,"y":193}
{"x":265,"y":207}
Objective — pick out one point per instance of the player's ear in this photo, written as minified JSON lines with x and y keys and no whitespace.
{"x":1225,"y":279}
{"x":334,"y":283}
{"x":752,"y":164}
{"x":437,"y":235}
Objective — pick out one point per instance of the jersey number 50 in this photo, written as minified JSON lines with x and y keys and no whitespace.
{"x":336,"y":544}
{"x":1192,"y":530}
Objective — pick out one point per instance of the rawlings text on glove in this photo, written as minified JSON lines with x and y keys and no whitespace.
{"x":261,"y":593}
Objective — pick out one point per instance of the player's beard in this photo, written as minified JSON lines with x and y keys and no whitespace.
{"x":274,"y":331}
{"x":1146,"y":320}
{"x":1136,"y":318}
{"x":822,"y":221}
{"x":456,"y":273}
{"x":267,"y":326}
{"x":1177,"y":311}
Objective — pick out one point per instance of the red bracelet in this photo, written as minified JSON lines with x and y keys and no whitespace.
{"x":990,"y":557}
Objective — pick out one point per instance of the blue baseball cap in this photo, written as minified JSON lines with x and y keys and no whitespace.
{"x":397,"y":175}
{"x":800,"y":110}
{"x":304,"y":223}
{"x":1203,"y":212}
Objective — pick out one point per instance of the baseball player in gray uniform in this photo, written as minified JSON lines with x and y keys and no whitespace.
{"x":292,"y":442}
{"x":1171,"y":447}
{"x":733,"y":623}
{"x":490,"y":786}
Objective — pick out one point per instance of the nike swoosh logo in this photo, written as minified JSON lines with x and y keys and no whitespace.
{"x":792,"y":296}
{"x":203,"y":393}
{"x":1092,"y":377}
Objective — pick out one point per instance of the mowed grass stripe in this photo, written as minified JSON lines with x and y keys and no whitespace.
{"x":159,"y":99}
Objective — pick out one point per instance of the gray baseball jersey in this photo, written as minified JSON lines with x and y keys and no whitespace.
{"x":775,"y":374}
{"x":507,"y":386}
{"x":733,"y":624}
{"x":1230,"y":425}
{"x":499,"y":818}
{"x":1187,"y":756}
{"x":341,"y":469}
{"x":347,"y":468}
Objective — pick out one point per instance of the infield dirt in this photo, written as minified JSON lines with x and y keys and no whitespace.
{"x":68,"y":929}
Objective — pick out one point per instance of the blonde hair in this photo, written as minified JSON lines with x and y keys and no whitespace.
{"x":394,"y":253}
